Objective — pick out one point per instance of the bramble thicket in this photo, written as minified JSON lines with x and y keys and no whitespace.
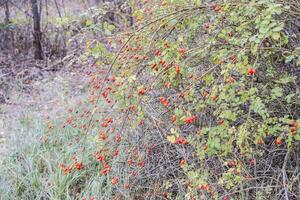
{"x":194,"y":100}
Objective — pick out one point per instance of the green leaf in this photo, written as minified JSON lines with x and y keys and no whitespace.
{"x":229,"y":115}
{"x":286,"y":79}
{"x":88,"y":22}
{"x":259,"y":107}
{"x":276,"y":92}
{"x":277,"y":28}
{"x":111,"y":27}
{"x":289,"y":97}
{"x":289,"y":58}
{"x":275,"y":36}
{"x":98,"y":50}
{"x":297,"y":137}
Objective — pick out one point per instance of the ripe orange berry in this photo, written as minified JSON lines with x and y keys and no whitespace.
{"x":181,"y":95}
{"x":141,"y":91}
{"x":182,"y":162}
{"x":133,"y":173}
{"x":157,"y":53}
{"x":103,"y":136}
{"x":129,"y":161}
{"x":114,"y":181}
{"x":154,"y":66}
{"x":78,"y":166}
{"x":292,"y":123}
{"x":230,"y":79}
{"x":181,"y":140}
{"x":278,"y":141}
{"x":168,"y":84}
{"x":230,"y":34}
{"x":260,"y":142}
{"x":50,"y":126}
{"x":232,"y":163}
{"x":164,"y":101}
{"x":104,"y":124}
{"x":233,"y":59}
{"x":174,"y":118}
{"x":251,"y":71}
{"x":177,"y":69}
{"x":293,"y":129}
{"x":214,"y":97}
{"x":217,"y":8}
{"x":205,"y":94}
{"x":182,"y":50}
{"x":118,"y":138}
{"x":220,"y":121}
{"x":206,"y":25}
{"x":203,"y":187}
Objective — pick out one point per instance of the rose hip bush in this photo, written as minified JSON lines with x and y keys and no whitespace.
{"x":199,"y":100}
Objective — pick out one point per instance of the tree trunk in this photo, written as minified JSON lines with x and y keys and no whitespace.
{"x":7,"y":13}
{"x":37,"y":34}
{"x":57,"y":8}
{"x":6,"y":32}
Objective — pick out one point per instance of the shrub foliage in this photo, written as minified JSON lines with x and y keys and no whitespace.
{"x":197,"y":100}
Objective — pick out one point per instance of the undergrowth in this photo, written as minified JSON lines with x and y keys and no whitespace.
{"x":197,"y":100}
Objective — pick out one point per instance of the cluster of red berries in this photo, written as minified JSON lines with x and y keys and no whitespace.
{"x":68,"y":169}
{"x":251,"y":71}
{"x":78,"y":165}
{"x":293,"y":127}
{"x":118,"y":138}
{"x":231,"y":163}
{"x":230,"y":79}
{"x":233,"y":59}
{"x":101,"y":158}
{"x":164,"y":101}
{"x":106,"y":169}
{"x":190,"y":120}
{"x":158,"y":53}
{"x":106,"y":122}
{"x":181,"y":140}
{"x":102,"y":136}
{"x":108,"y":89}
{"x":216,"y":8}
{"x":141,"y":91}
{"x":203,"y":187}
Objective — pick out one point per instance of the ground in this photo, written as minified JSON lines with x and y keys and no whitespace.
{"x":38,"y":93}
